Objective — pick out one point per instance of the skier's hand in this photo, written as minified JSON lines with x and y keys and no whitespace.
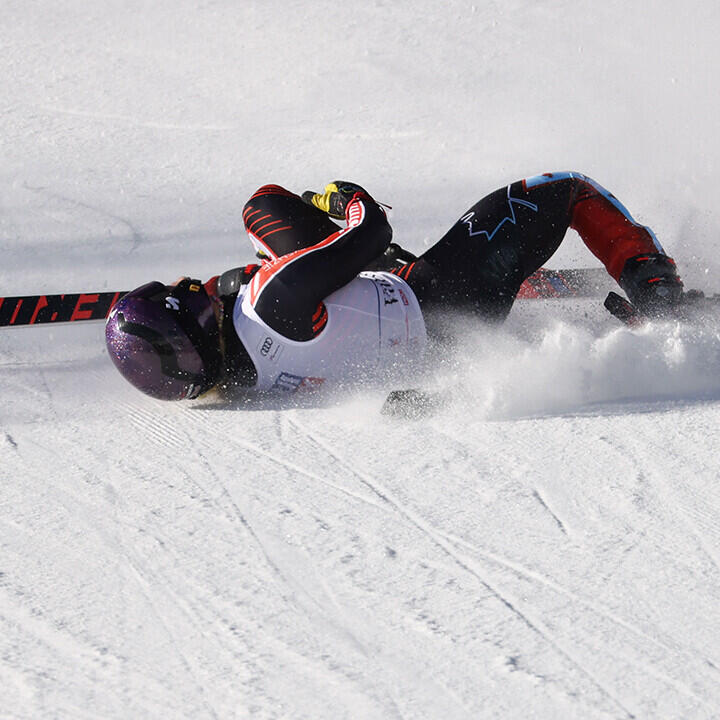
{"x":335,"y":198}
{"x":652,"y":284}
{"x":394,"y":257}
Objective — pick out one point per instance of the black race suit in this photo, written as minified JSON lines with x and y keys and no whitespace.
{"x":477,"y":266}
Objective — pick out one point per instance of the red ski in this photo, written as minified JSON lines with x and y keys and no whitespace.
{"x":69,"y":307}
{"x":585,"y":282}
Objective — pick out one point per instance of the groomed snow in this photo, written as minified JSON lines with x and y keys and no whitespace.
{"x":547,"y":545}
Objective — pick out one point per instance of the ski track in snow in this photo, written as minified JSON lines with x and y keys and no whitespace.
{"x":235,"y":500}
{"x":135,"y":234}
{"x":511,"y":604}
{"x":547,"y":545}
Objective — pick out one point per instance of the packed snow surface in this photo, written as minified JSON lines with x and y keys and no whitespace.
{"x":547,"y":544}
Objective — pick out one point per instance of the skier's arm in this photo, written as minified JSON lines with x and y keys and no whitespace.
{"x":287,"y":293}
{"x":333,"y":201}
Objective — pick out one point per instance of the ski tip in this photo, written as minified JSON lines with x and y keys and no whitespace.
{"x":411,"y":404}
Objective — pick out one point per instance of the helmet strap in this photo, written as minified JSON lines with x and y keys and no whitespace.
{"x":206,"y":344}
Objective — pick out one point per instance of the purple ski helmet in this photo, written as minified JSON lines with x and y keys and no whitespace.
{"x":165,"y":340}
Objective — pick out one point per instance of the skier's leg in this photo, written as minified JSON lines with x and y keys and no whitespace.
{"x":630,"y":252}
{"x":483,"y":259}
{"x":607,"y":228}
{"x":506,"y":236}
{"x":279,"y":222}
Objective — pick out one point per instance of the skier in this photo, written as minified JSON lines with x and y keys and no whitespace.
{"x":332,"y":304}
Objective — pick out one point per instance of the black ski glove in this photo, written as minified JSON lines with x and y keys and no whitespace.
{"x":334,"y":200}
{"x":394,"y":257}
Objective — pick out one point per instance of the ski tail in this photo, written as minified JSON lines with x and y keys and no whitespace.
{"x":623,"y":310}
{"x":67,"y":307}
